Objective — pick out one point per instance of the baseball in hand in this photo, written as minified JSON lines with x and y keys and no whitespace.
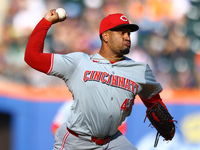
{"x":61,"y":13}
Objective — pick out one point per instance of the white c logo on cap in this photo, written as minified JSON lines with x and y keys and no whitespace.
{"x":123,"y":18}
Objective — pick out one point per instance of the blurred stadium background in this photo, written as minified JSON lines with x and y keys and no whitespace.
{"x":168,"y":40}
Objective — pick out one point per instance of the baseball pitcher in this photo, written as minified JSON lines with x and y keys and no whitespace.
{"x":104,"y":85}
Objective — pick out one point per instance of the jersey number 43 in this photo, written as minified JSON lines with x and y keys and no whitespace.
{"x":127,"y":104}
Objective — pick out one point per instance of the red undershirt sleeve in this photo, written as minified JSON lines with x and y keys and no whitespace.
{"x":150,"y":101}
{"x":34,"y":55}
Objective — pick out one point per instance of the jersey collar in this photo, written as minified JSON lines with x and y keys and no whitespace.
{"x":100,"y":59}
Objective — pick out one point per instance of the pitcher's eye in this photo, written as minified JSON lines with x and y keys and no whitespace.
{"x":123,"y":32}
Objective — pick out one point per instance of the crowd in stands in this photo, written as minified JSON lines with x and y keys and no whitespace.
{"x":168,"y":38}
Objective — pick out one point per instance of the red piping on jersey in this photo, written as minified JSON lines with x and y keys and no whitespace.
{"x":95,"y":60}
{"x":34,"y":55}
{"x":64,"y":140}
{"x":51,"y":67}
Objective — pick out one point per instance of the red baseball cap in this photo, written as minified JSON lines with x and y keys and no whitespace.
{"x":114,"y":21}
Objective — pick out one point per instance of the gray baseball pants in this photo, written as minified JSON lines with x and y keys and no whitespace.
{"x":66,"y":141}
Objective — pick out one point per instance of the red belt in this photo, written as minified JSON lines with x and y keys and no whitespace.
{"x":96,"y":140}
{"x":100,"y":141}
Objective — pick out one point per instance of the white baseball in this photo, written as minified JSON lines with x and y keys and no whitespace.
{"x":61,"y":13}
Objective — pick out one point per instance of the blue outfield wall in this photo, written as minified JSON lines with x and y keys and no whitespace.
{"x":30,"y":123}
{"x":31,"y":126}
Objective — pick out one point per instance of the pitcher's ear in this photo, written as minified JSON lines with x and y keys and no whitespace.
{"x":105,"y":36}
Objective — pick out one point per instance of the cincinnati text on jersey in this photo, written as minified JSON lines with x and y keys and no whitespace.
{"x":110,"y":79}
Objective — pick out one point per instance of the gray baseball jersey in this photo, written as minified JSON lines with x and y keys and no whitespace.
{"x":103,"y":92}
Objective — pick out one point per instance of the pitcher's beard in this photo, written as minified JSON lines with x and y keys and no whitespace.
{"x":125,"y":51}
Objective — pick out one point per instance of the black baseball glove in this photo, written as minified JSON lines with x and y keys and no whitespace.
{"x":161,"y":119}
